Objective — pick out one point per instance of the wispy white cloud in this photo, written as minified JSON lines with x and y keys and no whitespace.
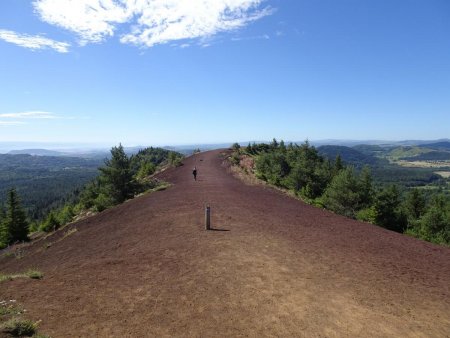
{"x":151,"y":22}
{"x":30,"y":115}
{"x":33,"y":41}
{"x":92,"y":20}
{"x":166,"y":21}
{"x":11,"y":123}
{"x":12,"y":119}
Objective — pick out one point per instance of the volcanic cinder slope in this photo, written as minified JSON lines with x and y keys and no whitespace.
{"x":273,"y":266}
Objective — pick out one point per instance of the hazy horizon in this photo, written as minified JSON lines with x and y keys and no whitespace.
{"x":79,"y":146}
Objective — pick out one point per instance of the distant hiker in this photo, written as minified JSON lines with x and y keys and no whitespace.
{"x":194,"y":172}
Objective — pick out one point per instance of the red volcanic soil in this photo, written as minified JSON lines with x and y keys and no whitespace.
{"x":272,"y":266}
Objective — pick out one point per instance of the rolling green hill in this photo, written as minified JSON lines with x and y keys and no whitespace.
{"x":402,"y":152}
{"x":349,"y":155}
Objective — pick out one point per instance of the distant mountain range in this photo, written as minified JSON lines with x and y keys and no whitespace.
{"x":36,"y":152}
{"x":91,"y":151}
{"x":351,"y":143}
{"x":64,"y":153}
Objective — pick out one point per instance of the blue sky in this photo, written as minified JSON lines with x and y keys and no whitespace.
{"x":156,"y":72}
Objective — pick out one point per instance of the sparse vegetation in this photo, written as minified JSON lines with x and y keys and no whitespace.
{"x":10,"y":308}
{"x":13,"y":323}
{"x":17,"y":253}
{"x":70,"y":232}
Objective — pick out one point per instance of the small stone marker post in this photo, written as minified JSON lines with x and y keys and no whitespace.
{"x":207,"y":217}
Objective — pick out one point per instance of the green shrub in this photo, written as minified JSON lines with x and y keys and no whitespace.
{"x":66,"y":214}
{"x":367,"y":215}
{"x":177,"y":162}
{"x":434,"y":226}
{"x":34,"y":226}
{"x":34,"y":274}
{"x":19,"y":327}
{"x":235,"y":158}
{"x":51,"y":223}
{"x":175,"y":159}
{"x":102,"y":202}
{"x":147,"y":168}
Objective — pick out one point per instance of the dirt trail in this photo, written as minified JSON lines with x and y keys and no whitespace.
{"x":273,"y":267}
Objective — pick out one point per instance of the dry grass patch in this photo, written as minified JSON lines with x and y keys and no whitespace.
{"x":10,"y":308}
{"x":423,"y":164}
{"x":33,"y":274}
{"x":13,"y":324}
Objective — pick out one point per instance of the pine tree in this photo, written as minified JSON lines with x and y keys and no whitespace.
{"x":274,"y":144}
{"x":415,"y":204}
{"x":338,"y":165}
{"x":342,"y":195}
{"x":15,"y":221}
{"x":387,"y":209}
{"x":249,"y":149}
{"x":366,"y":187}
{"x":435,"y":223}
{"x":282,"y":147}
{"x":4,"y":235}
{"x":117,"y":176}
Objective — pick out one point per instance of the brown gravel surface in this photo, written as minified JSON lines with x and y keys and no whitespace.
{"x":273,"y":266}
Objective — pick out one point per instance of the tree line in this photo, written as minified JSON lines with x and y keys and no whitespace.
{"x":121,"y":178}
{"x":348,"y":191}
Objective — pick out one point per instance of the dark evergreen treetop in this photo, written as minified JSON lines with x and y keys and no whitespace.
{"x":117,"y":175}
{"x":16,"y":223}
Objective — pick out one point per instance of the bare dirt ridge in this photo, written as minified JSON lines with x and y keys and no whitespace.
{"x":274,"y":267}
